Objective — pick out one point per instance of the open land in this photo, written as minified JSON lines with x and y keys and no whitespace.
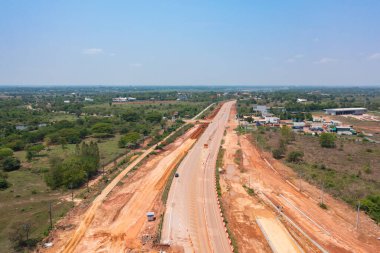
{"x":332,"y":230}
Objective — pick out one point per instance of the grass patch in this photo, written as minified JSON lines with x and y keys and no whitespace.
{"x":177,"y":134}
{"x":323,"y":206}
{"x":27,"y":200}
{"x":249,"y":190}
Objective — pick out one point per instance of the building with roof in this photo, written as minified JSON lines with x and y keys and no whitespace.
{"x":86,"y":99}
{"x":346,"y":111}
{"x":260,"y":108}
{"x":272,"y":120}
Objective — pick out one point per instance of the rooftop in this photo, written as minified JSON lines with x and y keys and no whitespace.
{"x":345,"y":109}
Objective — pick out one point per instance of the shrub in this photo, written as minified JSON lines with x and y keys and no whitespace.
{"x":5,"y":152}
{"x":131,"y":139}
{"x":277,"y":153}
{"x":371,"y":205}
{"x":327,"y":140}
{"x":295,"y":156}
{"x":102,"y":127}
{"x":3,"y":184}
{"x":287,"y":134}
{"x":367,"y":169}
{"x":10,"y":164}
{"x":322,"y":205}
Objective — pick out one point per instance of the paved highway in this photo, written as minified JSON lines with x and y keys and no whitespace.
{"x":192,"y":219}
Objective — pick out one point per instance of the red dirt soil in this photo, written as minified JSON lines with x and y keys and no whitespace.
{"x":119,"y":223}
{"x":333,"y":228}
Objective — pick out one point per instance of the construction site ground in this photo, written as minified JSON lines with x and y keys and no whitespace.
{"x":119,"y":223}
{"x":255,"y":224}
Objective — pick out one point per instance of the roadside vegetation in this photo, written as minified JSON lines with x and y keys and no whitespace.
{"x":218,"y":167}
{"x":49,"y":147}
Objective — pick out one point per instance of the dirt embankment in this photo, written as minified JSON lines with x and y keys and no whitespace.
{"x":240,"y":208}
{"x":332,"y":229}
{"x":119,"y":223}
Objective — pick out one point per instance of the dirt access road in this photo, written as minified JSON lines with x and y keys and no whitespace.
{"x":333,"y":229}
{"x":192,"y":219}
{"x":255,"y":226}
{"x":116,"y":217}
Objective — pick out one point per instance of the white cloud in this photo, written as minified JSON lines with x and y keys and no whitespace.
{"x":375,"y":56}
{"x":326,"y":60}
{"x":92,"y":51}
{"x":295,"y":58}
{"x":136,"y":65}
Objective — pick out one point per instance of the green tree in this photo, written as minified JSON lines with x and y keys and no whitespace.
{"x":102,"y":127}
{"x":130,"y":116}
{"x":10,"y":163}
{"x":153,"y":117}
{"x":75,"y":170}
{"x":5,"y":152}
{"x":131,"y":139}
{"x":327,"y":140}
{"x":287,"y":134}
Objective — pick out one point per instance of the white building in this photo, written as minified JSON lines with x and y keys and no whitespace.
{"x":88,"y":100}
{"x":119,"y":100}
{"x":272,"y":120}
{"x":345,"y":111}
{"x":123,"y":99}
{"x":66,"y":101}
{"x":301,"y":100}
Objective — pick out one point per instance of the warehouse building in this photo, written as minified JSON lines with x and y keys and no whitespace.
{"x":345,"y":111}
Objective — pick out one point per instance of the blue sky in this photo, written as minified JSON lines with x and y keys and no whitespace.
{"x":324,"y":42}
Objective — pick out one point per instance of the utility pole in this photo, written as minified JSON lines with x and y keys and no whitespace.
{"x":323,"y":193}
{"x":50,"y":216}
{"x":88,"y":178}
{"x":72,"y":193}
{"x":300,"y":183}
{"x":358,"y":216}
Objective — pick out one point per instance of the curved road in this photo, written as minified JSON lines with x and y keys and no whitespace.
{"x":192,"y":219}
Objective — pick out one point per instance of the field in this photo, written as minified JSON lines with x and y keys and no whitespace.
{"x":28,"y":198}
{"x":351,"y":171}
{"x":368,"y":127}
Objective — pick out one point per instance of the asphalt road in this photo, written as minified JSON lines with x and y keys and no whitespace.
{"x":192,"y":219}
